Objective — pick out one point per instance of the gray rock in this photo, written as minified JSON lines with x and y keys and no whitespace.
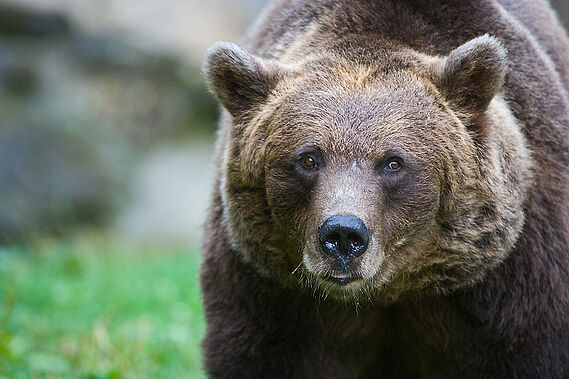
{"x":50,"y":182}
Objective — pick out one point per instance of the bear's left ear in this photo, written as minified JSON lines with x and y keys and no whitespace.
{"x":238,"y":79}
{"x":473,"y":73}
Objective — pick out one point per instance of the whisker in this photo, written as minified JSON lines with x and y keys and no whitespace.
{"x":357,"y":306}
{"x":296,"y":269}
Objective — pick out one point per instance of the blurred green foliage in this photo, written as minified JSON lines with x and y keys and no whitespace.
{"x":96,"y":311}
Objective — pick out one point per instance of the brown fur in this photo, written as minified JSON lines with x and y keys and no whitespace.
{"x":467,"y":264}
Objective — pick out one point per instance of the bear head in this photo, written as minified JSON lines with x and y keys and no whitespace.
{"x":374,"y":175}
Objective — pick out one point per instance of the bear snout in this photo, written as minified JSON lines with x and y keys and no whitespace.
{"x":343,"y":238}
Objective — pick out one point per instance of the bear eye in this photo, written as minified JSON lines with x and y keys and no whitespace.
{"x":393,"y":165}
{"x":308,"y":162}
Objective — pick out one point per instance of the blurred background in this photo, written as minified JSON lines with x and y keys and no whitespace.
{"x":106,"y":141}
{"x":105,"y":121}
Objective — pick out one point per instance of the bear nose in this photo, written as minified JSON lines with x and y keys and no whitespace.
{"x":343,"y":237}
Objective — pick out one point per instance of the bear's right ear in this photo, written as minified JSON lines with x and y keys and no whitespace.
{"x":240,"y":80}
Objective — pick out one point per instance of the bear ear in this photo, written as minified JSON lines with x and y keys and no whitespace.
{"x":238,"y":79}
{"x":473,"y":73}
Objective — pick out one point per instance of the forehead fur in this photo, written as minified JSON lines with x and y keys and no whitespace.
{"x":360,"y":109}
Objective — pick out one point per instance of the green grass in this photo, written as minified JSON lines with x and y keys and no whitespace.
{"x":88,"y":311}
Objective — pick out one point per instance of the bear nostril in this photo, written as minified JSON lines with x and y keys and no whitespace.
{"x":344,"y":237}
{"x":355,"y":240}
{"x":333,"y":241}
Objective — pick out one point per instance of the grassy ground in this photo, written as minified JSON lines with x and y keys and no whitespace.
{"x":80,"y":310}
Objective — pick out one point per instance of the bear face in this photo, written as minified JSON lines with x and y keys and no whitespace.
{"x":369,"y":181}
{"x":354,"y":157}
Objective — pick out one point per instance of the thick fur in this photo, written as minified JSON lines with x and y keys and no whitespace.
{"x":467,"y":269}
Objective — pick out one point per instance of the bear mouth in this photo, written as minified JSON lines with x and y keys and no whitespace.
{"x":342,"y":279}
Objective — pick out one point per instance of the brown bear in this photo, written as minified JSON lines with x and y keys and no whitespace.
{"x":392,"y":194}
